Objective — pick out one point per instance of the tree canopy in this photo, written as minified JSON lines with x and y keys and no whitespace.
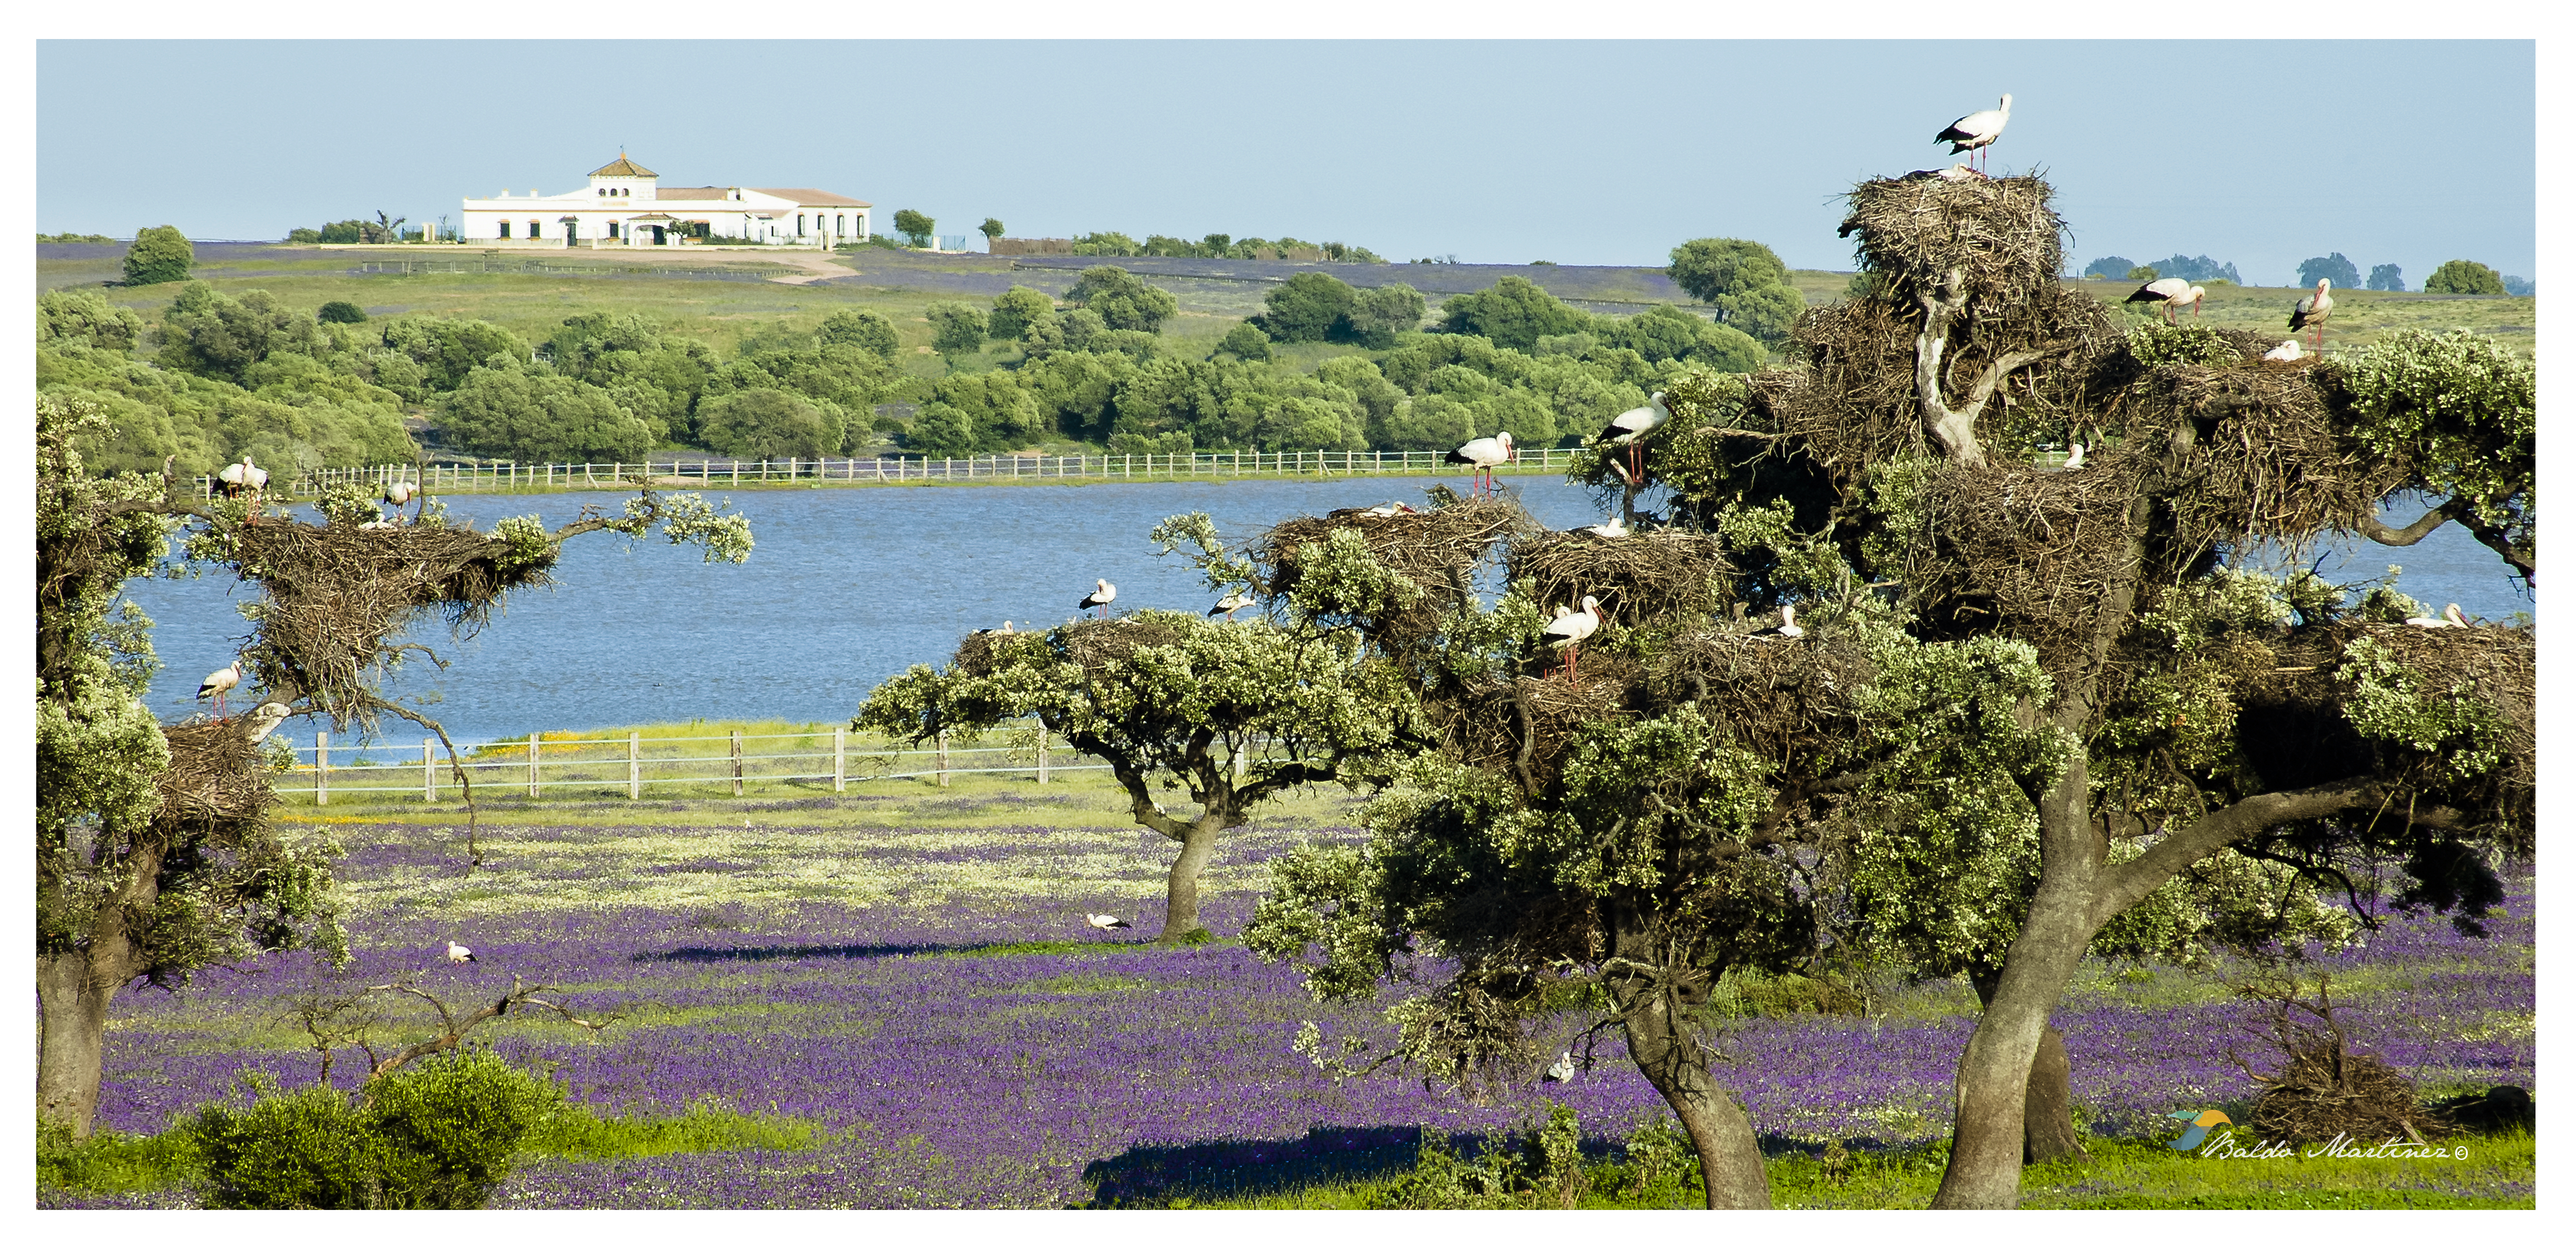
{"x":2463,"y":277}
{"x":915,"y":226}
{"x":2331,"y":266}
{"x":1121,"y":299}
{"x":158,"y":254}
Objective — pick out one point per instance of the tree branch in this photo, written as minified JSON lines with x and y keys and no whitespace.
{"x":2123,"y":886}
{"x":2410,"y":535}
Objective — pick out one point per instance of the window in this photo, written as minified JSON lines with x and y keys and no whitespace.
{"x":505,"y":229}
{"x":612,"y":229}
{"x":837,"y":227}
{"x":533,"y":232}
{"x":800,"y":223}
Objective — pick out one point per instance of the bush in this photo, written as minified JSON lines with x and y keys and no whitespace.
{"x":1306,"y":308}
{"x":955,"y":328}
{"x":212,"y":334}
{"x":2464,"y":277}
{"x":159,"y":254}
{"x":769,"y":425}
{"x":304,"y":234}
{"x":1014,"y":309}
{"x":1514,"y":313}
{"x":1380,"y":313}
{"x":1245,"y":342}
{"x":1711,"y":268}
{"x":341,"y":312}
{"x":507,"y":410}
{"x":2143,"y":273}
{"x":436,"y":1137}
{"x":1122,"y":300}
{"x":85,"y":318}
{"x":861,"y":328}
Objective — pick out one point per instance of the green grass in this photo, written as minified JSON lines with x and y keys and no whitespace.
{"x":2360,"y":317}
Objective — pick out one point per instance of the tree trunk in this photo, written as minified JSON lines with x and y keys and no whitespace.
{"x":1996,"y":1072}
{"x":73,"y":1024}
{"x":2048,"y":1105}
{"x":1730,"y":1159}
{"x":1181,"y":892}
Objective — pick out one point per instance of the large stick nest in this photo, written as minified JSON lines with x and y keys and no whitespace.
{"x":337,"y":594}
{"x":217,"y":783}
{"x":2000,"y":235}
{"x":1663,"y":574}
{"x":1523,"y":727}
{"x":1786,"y":700}
{"x":1437,"y":550}
{"x":2322,"y":1092}
{"x":2297,"y":734}
{"x":2261,"y":439}
{"x":2030,"y":552}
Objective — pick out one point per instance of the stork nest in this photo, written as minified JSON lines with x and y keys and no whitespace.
{"x":1785,"y":699}
{"x":2269,"y":458}
{"x":2028,"y":551}
{"x":1664,"y":574}
{"x":2300,"y":737}
{"x":338,"y":593}
{"x":1999,"y":235}
{"x":217,"y":783}
{"x":1524,"y":726}
{"x":1436,"y":550}
{"x":2322,"y":1092}
{"x":1095,"y":644}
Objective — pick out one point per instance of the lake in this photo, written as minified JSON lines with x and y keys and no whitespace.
{"x":848,"y":587}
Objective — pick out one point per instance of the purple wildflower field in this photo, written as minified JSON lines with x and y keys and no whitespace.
{"x":833,"y":973}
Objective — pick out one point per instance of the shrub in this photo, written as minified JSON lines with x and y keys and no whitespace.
{"x":436,"y":1137}
{"x":341,"y":312}
{"x":1513,"y":312}
{"x":955,"y":328}
{"x":1380,"y":313}
{"x":861,"y":328}
{"x":2464,"y":277}
{"x":1306,"y":307}
{"x":1710,"y":268}
{"x":304,"y":234}
{"x":1245,"y":342}
{"x":769,"y":425}
{"x":2143,"y":273}
{"x":85,"y":318}
{"x":1014,"y":309}
{"x":507,"y":410}
{"x":1122,"y":300}
{"x":159,"y":254}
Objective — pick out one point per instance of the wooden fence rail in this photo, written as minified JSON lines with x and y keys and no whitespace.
{"x":712,"y":473}
{"x":561,"y":763}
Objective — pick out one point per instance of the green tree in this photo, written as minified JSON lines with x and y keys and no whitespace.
{"x":449,"y":348}
{"x":1122,"y":300}
{"x":955,"y":328}
{"x":2142,"y":273}
{"x":1231,"y":713}
{"x":340,"y":312}
{"x":914,"y":226}
{"x":2387,"y":278}
{"x":1377,"y":315}
{"x":1514,"y":313}
{"x":85,"y":319}
{"x":2461,"y":277}
{"x":940,"y":429}
{"x":1709,"y":268}
{"x":213,"y":334}
{"x":1306,"y":308}
{"x":1766,"y":313}
{"x":861,"y":328}
{"x":158,"y":254}
{"x":992,"y":228}
{"x":1245,"y":342}
{"x":2331,"y":266}
{"x":504,"y":409}
{"x":770,"y":425}
{"x":1015,"y":309}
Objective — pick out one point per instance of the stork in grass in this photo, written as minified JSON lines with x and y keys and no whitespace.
{"x":1630,"y":427}
{"x":1231,"y":604}
{"x":1486,"y":454}
{"x":2169,"y":294}
{"x":219,"y":681}
{"x":459,"y":954}
{"x":1567,"y":631}
{"x":1105,"y":923}
{"x":2311,"y":311}
{"x":1977,"y":131}
{"x":1099,"y":598}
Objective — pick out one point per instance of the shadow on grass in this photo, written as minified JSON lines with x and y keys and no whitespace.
{"x":790,"y":953}
{"x":1157,"y":1175}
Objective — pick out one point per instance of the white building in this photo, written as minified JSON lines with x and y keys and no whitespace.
{"x":625,"y":204}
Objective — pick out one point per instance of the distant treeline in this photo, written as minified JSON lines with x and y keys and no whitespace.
{"x":1221,"y":247}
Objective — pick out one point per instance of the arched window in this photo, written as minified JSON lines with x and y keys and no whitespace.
{"x":505,"y":229}
{"x":837,"y":227}
{"x":612,"y":229}
{"x":800,"y":223}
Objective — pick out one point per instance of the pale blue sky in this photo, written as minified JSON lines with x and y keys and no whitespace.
{"x":2260,"y":153}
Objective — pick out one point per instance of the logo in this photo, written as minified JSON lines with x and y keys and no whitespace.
{"x":2201,"y":1122}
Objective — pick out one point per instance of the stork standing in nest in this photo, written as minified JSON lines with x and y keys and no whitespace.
{"x":1627,"y":428}
{"x":1486,"y":454}
{"x":1099,"y":598}
{"x":1977,"y":131}
{"x":2311,"y":312}
{"x":244,"y":479}
{"x":1567,"y":631}
{"x":219,"y":681}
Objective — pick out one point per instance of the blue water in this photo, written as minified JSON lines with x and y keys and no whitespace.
{"x":848,"y":587}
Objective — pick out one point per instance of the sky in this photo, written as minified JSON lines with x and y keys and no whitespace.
{"x":2260,"y":153}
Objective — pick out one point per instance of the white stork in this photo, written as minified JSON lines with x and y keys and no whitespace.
{"x":2170,"y":293}
{"x":1788,"y":626}
{"x":1106,"y":923}
{"x":1485,"y":454}
{"x":264,"y":720}
{"x":2075,"y":455}
{"x":244,"y":478}
{"x":218,"y":681}
{"x":1100,"y":598}
{"x":1231,"y":604}
{"x":1611,"y":528}
{"x":1005,"y":629}
{"x":2288,"y":350}
{"x":1561,"y":1071}
{"x":1975,"y":131}
{"x":2449,"y":619}
{"x":1567,"y":631}
{"x":2312,"y":311}
{"x":1632,"y":425}
{"x":1384,"y":510}
{"x":400,"y":493}
{"x":459,"y":954}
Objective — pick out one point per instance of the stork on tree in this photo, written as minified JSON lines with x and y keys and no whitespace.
{"x":146,"y":871}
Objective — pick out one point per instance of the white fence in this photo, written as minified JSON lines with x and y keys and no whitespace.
{"x":712,"y":473}
{"x":606,"y":764}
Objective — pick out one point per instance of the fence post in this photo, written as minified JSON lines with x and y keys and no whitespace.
{"x":533,"y":739}
{"x":840,"y":756}
{"x":737,"y":763}
{"x":634,"y":764}
{"x":1042,"y":753}
{"x":428,"y":772}
{"x":943,"y":758}
{"x":321,"y":767}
